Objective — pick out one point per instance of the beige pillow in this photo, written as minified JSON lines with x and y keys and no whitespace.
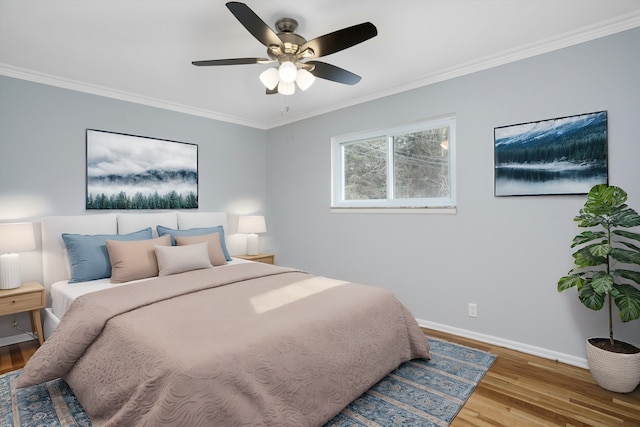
{"x":178,"y":259}
{"x":134,"y":259}
{"x":216,"y":254}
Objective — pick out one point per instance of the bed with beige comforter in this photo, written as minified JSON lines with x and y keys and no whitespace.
{"x":245,"y":345}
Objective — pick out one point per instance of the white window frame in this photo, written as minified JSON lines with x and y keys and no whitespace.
{"x":417,"y":205}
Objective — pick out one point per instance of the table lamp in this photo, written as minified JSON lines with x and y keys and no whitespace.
{"x":15,"y":237}
{"x":251,"y":225}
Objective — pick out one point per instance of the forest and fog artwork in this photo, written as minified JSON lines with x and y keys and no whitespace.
{"x":566,"y":155}
{"x":136,"y":172}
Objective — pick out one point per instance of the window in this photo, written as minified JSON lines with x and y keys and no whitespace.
{"x":405,"y":167}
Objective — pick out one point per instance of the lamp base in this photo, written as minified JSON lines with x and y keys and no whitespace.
{"x":252,"y":244}
{"x":10,"y":271}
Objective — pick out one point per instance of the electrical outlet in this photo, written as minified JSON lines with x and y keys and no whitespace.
{"x":473,"y":310}
{"x":14,"y":323}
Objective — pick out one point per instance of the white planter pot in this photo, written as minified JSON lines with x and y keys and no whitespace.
{"x":617,"y":372}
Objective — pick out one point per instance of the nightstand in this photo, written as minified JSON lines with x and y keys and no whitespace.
{"x":27,"y":297}
{"x":265,"y":258}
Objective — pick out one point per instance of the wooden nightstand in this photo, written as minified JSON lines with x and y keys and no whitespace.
{"x":265,"y":258}
{"x":28,"y":297}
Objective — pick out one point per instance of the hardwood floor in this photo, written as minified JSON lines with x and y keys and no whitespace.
{"x":15,"y":356}
{"x":518,"y":390}
{"x":524,"y":390}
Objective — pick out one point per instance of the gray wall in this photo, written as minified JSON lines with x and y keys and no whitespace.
{"x":43,"y":157}
{"x":505,"y":254}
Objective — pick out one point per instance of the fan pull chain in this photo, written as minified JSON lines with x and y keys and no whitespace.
{"x":283,"y":109}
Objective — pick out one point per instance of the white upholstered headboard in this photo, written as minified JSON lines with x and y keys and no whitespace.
{"x":54,"y":267}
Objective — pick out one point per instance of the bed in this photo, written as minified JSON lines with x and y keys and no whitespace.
{"x":239,"y":344}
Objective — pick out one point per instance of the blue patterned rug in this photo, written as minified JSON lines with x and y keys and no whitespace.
{"x":419,"y":393}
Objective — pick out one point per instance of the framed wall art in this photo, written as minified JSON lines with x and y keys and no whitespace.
{"x":137,"y":172}
{"x":565,"y":155}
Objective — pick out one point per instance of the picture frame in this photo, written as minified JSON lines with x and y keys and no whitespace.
{"x":138,"y":172}
{"x":564,"y":155}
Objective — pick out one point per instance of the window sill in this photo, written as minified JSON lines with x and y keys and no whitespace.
{"x":421,"y":211}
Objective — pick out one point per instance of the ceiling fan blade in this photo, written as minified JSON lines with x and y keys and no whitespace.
{"x":326,"y":71}
{"x":272,"y":91}
{"x":341,"y":39}
{"x":234,"y":61}
{"x":254,"y":24}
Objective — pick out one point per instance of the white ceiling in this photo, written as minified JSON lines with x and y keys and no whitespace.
{"x":141,"y":50}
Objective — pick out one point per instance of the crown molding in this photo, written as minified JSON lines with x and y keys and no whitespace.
{"x":585,"y":34}
{"x":79,"y":86}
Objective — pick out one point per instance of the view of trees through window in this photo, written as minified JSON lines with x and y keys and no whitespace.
{"x":421,"y":164}
{"x":365,"y":170}
{"x":419,"y":161}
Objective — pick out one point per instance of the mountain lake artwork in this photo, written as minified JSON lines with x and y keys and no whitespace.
{"x":136,"y":172}
{"x":566,"y":155}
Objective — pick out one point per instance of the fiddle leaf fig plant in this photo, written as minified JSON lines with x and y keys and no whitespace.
{"x":604,"y":262}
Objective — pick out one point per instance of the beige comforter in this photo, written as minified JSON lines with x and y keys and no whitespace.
{"x":243,"y":345}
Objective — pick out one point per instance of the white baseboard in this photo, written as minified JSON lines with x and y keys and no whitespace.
{"x":15,"y":339}
{"x":512,"y":345}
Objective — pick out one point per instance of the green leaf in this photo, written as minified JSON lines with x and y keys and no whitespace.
{"x":628,"y":302}
{"x":590,"y":298}
{"x":631,"y":246}
{"x":628,"y":234}
{"x":602,"y":199}
{"x":602,"y":283}
{"x":587,"y":236}
{"x":627,"y":274}
{"x":585,"y":220}
{"x":584,"y":258}
{"x":625,"y":217}
{"x":625,"y":256}
{"x":570,"y":281}
{"x":600,"y":250}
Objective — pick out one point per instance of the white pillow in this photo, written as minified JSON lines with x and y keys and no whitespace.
{"x":178,"y":259}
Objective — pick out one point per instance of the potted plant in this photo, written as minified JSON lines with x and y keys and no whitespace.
{"x":604,"y":274}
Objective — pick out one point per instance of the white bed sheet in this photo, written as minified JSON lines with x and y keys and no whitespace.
{"x":64,"y":293}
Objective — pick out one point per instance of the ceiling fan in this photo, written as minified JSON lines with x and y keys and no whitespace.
{"x":293,"y":53}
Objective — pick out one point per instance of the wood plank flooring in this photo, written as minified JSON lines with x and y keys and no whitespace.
{"x":519,"y":390}
{"x":15,"y":356}
{"x":525,"y":390}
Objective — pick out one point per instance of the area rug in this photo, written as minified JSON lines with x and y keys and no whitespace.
{"x":419,"y":393}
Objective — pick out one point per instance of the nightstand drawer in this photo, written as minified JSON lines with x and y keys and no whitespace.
{"x":263,"y":258}
{"x":267,"y":259}
{"x":20,"y":303}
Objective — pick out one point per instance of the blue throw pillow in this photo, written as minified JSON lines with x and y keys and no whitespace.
{"x":88,"y":256}
{"x":162,"y":231}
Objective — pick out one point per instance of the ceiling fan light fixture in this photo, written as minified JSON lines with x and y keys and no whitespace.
{"x":304,"y":79}
{"x":288,"y":72}
{"x":270,"y":78}
{"x":285,"y":88}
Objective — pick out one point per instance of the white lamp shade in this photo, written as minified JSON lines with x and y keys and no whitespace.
{"x":288,"y":72}
{"x":270,"y":78}
{"x":286,"y":88}
{"x":16,"y":237}
{"x":305,"y":79}
{"x":250,"y":224}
